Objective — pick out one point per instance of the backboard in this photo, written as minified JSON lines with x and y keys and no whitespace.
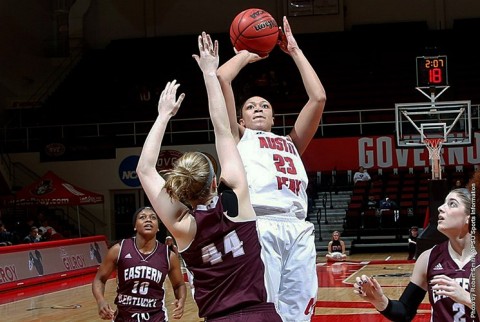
{"x":450,"y":121}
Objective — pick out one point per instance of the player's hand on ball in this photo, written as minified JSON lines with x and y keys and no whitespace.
{"x":252,"y":57}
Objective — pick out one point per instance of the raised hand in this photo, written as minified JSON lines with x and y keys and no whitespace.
{"x":286,"y":41}
{"x":208,"y":59}
{"x":168,"y":103}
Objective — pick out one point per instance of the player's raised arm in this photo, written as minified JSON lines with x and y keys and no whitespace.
{"x":233,"y":173}
{"x":172,"y":212}
{"x":311,"y":114}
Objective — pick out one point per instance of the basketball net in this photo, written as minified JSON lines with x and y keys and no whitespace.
{"x":434,"y":146}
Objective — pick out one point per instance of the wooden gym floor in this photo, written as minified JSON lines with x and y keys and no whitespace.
{"x":72,"y":301}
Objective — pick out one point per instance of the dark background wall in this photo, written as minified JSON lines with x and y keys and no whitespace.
{"x":36,"y":34}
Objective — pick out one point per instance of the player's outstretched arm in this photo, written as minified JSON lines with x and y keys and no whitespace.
{"x":311,"y":114}
{"x":233,"y":173}
{"x":171,"y":212}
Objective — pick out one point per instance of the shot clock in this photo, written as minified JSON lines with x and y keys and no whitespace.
{"x":432,"y":71}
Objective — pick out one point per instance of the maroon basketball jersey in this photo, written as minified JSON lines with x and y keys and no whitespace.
{"x":140,"y":293}
{"x":224,"y":259}
{"x":337,"y":246}
{"x":444,"y":308}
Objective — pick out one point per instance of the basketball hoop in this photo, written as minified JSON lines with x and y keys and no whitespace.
{"x":434,"y":146}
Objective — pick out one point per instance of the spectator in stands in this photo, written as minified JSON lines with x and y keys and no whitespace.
{"x":443,"y":271}
{"x":144,"y":255}
{"x":387,"y":204}
{"x":48,"y":232}
{"x":33,"y":236}
{"x":42,"y":231}
{"x":412,"y":242}
{"x":51,"y":235}
{"x":44,"y":227}
{"x":336,"y":248}
{"x":387,"y":207}
{"x":361,"y":175}
{"x":372,"y":203}
{"x":6,"y":237}
{"x":458,"y":184}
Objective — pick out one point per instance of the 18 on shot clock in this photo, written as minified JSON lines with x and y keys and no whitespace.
{"x":432,"y":71}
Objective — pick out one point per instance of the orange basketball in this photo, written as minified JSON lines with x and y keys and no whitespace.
{"x":254,"y":30}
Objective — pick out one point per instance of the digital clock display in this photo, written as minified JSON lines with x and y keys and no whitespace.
{"x":432,"y":71}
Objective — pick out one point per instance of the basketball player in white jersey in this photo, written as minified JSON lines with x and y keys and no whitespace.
{"x":278,"y":182}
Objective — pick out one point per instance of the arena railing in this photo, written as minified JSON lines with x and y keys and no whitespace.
{"x":196,"y":130}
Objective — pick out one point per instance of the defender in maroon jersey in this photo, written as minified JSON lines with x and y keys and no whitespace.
{"x":443,"y":271}
{"x":142,"y":264}
{"x":215,"y":232}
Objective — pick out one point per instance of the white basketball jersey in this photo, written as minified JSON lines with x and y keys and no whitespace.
{"x":277,"y":179}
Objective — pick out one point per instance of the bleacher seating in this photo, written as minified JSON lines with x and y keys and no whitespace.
{"x":410,"y":191}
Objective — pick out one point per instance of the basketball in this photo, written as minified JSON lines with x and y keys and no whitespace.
{"x":254,"y":30}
